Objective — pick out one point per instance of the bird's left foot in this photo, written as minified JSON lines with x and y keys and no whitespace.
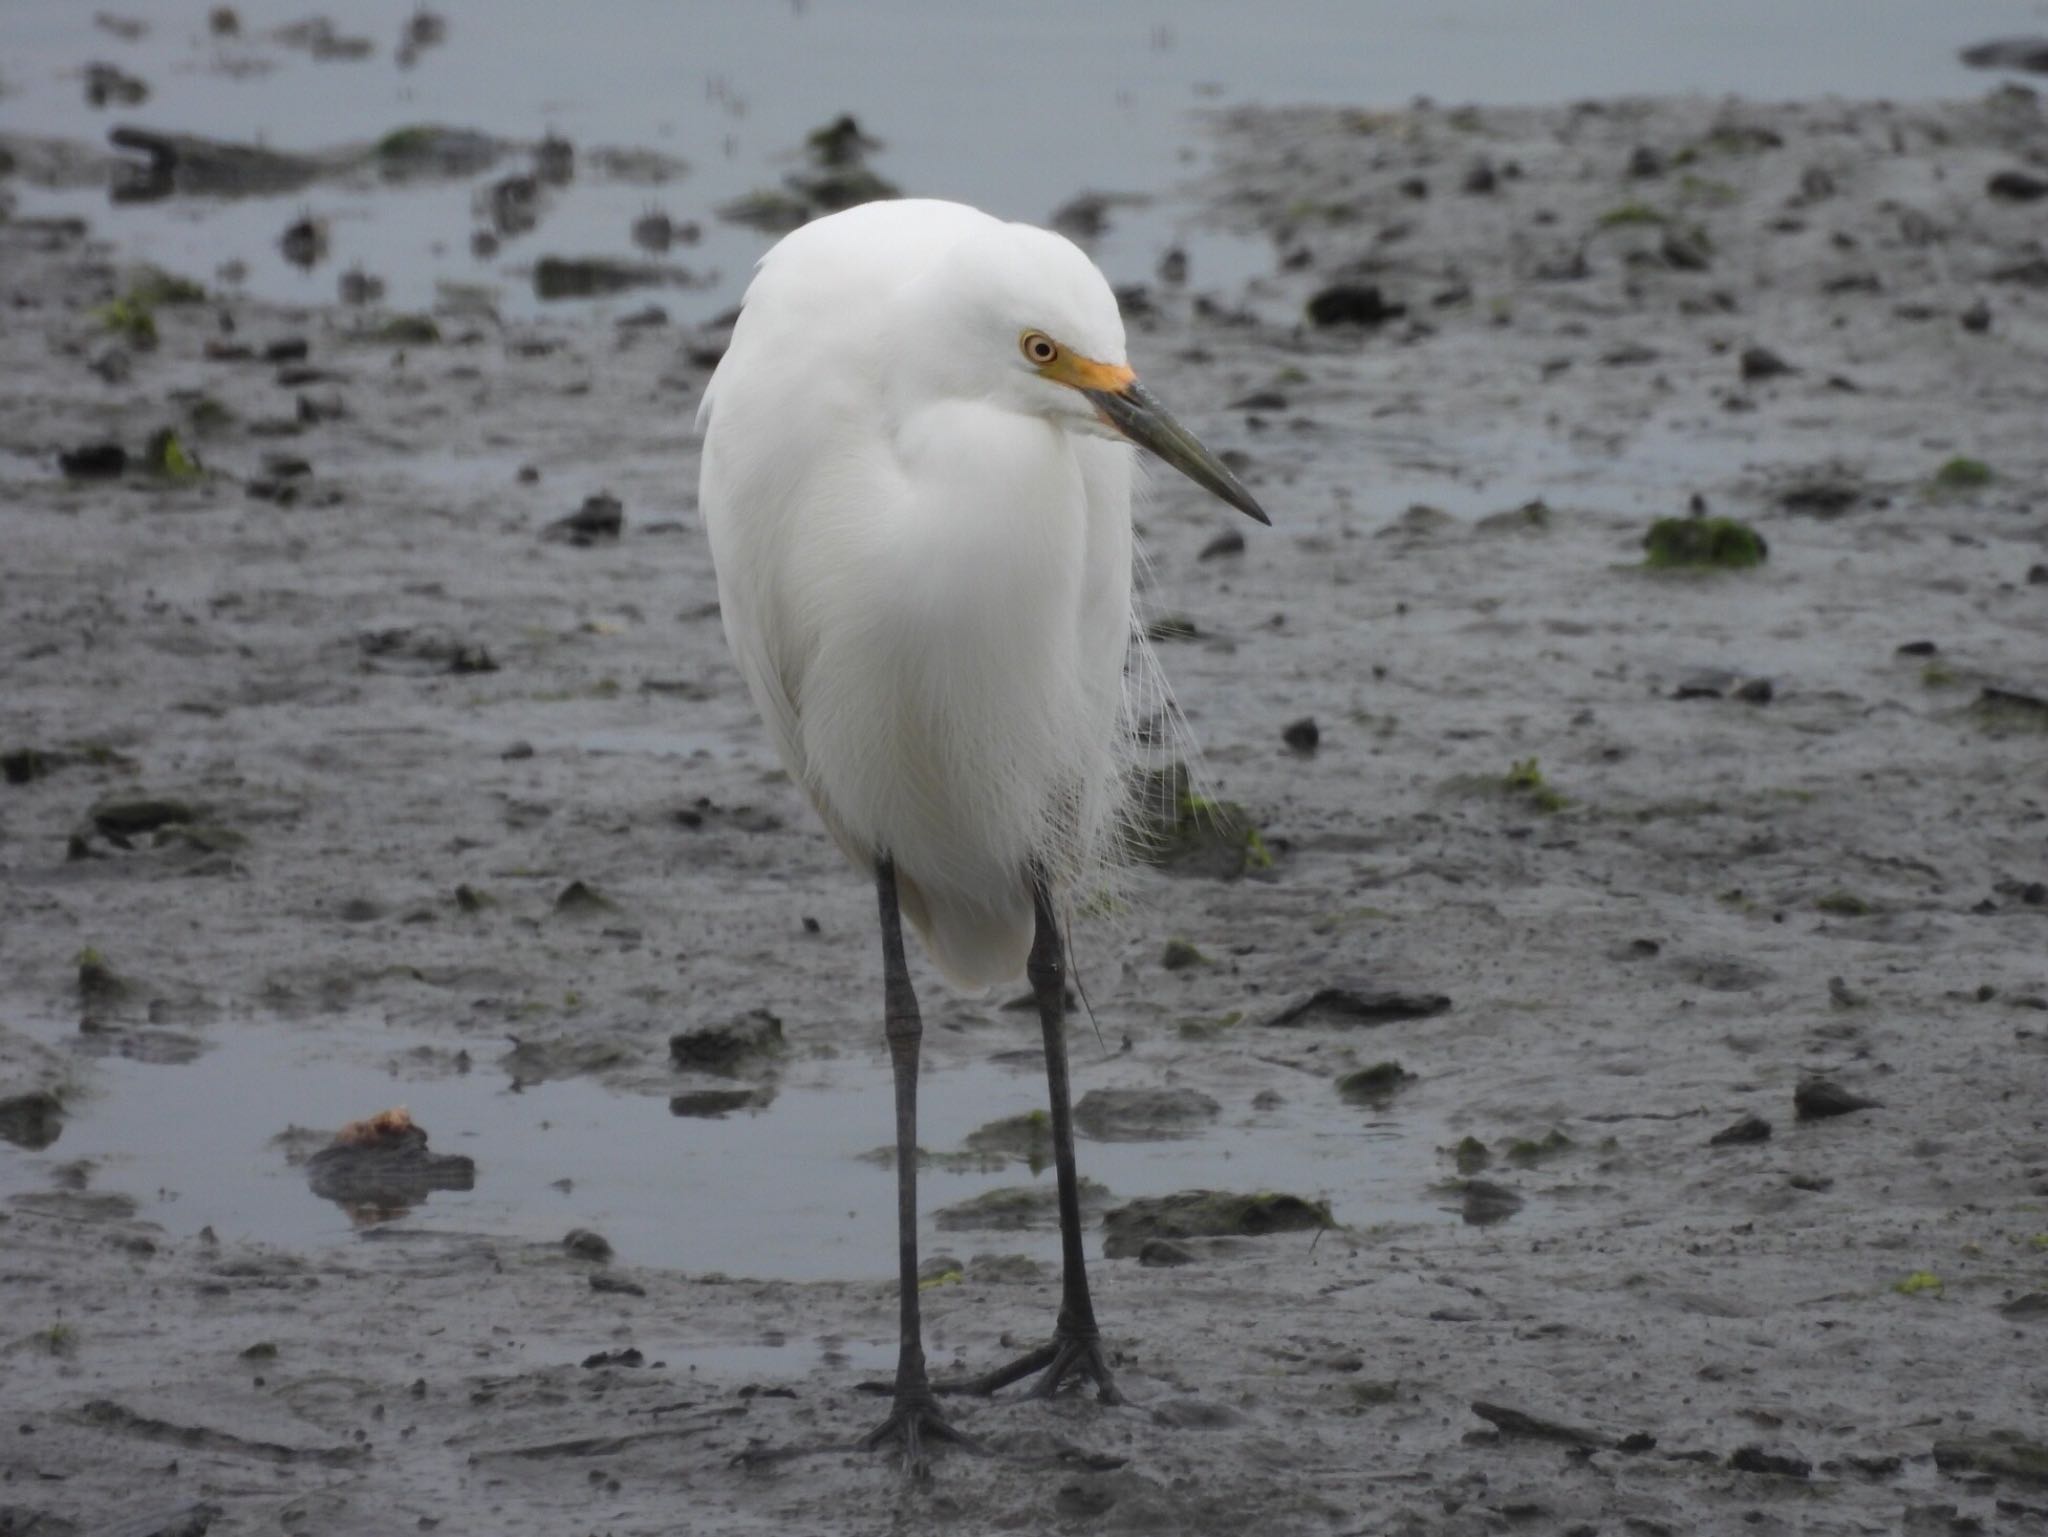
{"x":915,"y":1421}
{"x":1070,"y":1353}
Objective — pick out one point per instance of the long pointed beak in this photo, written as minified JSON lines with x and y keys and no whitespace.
{"x":1138,"y":415}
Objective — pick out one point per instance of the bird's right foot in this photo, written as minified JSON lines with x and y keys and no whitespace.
{"x":1069,"y":1353}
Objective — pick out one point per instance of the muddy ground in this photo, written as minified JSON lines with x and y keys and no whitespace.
{"x":1671,"y":843}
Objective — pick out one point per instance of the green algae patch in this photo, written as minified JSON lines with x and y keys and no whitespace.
{"x":1027,"y":1136}
{"x":134,"y":323}
{"x":1524,"y":780}
{"x":98,"y":982}
{"x":1375,"y":1085}
{"x":168,"y":456}
{"x":1630,"y":213}
{"x":1209,"y":1214}
{"x":1187,"y":833}
{"x":1962,"y":474}
{"x":152,"y":287}
{"x":2002,"y":1455}
{"x":1015,"y":1207}
{"x":1472,"y":1156}
{"x":1921,"y":1283}
{"x":1703,"y":544}
{"x":1527,"y":1152}
{"x":1844,"y":904}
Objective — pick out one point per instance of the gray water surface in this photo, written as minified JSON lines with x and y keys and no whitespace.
{"x":782,"y":1192}
{"x":1016,"y":108}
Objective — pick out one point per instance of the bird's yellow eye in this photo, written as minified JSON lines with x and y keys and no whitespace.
{"x":1038,"y":348}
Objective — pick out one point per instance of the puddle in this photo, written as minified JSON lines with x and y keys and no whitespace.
{"x":776,"y":1192}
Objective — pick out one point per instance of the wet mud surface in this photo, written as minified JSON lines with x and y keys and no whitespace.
{"x":1614,"y":1038}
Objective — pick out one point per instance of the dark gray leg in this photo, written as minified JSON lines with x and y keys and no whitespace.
{"x":916,"y":1413}
{"x":1076,"y":1344}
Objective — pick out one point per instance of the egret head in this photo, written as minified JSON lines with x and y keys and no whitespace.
{"x":1020,"y":316}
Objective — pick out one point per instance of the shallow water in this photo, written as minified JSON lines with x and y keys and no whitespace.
{"x":780,"y":1192}
{"x":1017,"y":110}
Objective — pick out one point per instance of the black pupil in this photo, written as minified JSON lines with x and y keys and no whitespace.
{"x":1041,"y":349}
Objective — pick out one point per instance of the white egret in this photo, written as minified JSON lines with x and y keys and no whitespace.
{"x":917,"y":477}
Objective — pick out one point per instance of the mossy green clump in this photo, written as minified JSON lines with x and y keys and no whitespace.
{"x":1027,"y":1136}
{"x":2003,"y":711}
{"x":1937,"y":675}
{"x":404,"y":331}
{"x":1181,"y":830}
{"x":1630,"y":213}
{"x":1472,"y":1156}
{"x":1374,"y":1085}
{"x":409,"y":142}
{"x":24,"y":765}
{"x":1209,"y":1214}
{"x":1843,"y":904}
{"x":1527,"y":1152}
{"x":1373,"y":1394}
{"x":134,"y":323}
{"x":1209,"y":1029}
{"x":167,"y":455}
{"x":207,"y":415}
{"x":1015,"y":1207}
{"x":1524,"y":779}
{"x":1725,"y":544}
{"x":1963,"y":474}
{"x":152,"y":287}
{"x":57,"y":1340}
{"x":1921,"y":1283}
{"x":1180,"y":954}
{"x":98,"y":982}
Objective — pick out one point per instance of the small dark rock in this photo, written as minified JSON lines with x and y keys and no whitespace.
{"x":1976,"y":318}
{"x":1762,"y":363}
{"x":1754,"y":1459}
{"x":1751,"y":1128}
{"x":1516,"y":1422}
{"x":1645,"y":162}
{"x":2016,"y":186}
{"x":1481,"y":178}
{"x":628,"y":1357}
{"x":135,"y":815}
{"x":1163,"y":1253}
{"x":33,"y":1120}
{"x":1483,"y":1202}
{"x":1229,"y":542}
{"x":582,"y":1243}
{"x":1180,"y":954}
{"x":580,"y":899}
{"x":724,"y":1048}
{"x":603,"y":1281}
{"x":601,"y":516}
{"x":1818,"y":1099}
{"x":2022,"y":53}
{"x":93,"y":461}
{"x":709,"y":1103}
{"x":1208,"y":1214}
{"x":1349,"y":1006}
{"x":1353,"y":304}
{"x":1303,"y":736}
